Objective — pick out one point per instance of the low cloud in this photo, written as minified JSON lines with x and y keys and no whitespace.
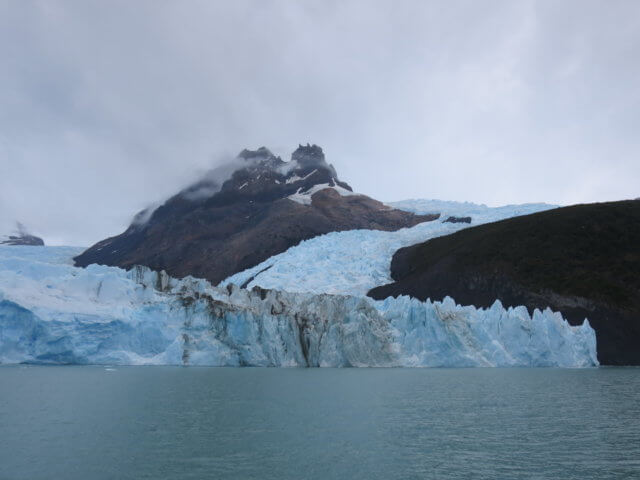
{"x":107,"y":107}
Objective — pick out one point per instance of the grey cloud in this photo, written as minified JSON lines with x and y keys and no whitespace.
{"x":107,"y":107}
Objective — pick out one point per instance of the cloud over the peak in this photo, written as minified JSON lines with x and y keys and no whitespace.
{"x":106,"y":107}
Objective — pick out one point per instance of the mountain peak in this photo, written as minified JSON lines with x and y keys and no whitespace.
{"x":261,"y":173}
{"x":260,"y":156}
{"x":262,"y":152}
{"x":20,"y":237}
{"x":308,"y":156}
{"x":242,"y":213}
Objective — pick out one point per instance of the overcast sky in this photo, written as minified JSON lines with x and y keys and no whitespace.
{"x":107,"y":106}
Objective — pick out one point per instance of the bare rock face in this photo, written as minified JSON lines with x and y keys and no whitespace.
{"x":21,"y":237}
{"x":241,"y":214}
{"x":458,"y":220}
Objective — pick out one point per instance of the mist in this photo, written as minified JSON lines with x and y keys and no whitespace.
{"x":109,"y":107}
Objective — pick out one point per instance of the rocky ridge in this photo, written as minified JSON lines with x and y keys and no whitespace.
{"x":21,"y":237}
{"x":241,"y":214}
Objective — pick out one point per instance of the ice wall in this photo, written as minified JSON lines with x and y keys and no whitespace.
{"x":52,"y":312}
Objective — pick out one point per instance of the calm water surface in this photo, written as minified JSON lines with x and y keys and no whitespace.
{"x":174,"y":423}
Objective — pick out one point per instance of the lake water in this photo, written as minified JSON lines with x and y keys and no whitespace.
{"x":176,"y":423}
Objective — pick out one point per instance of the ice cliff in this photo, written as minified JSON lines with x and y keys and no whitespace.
{"x":53,"y":312}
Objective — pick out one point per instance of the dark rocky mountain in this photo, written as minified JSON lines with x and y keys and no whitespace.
{"x":21,"y":237}
{"x":583,"y":261}
{"x":243,"y":213}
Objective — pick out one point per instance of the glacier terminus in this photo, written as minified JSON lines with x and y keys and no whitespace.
{"x":54,"y":313}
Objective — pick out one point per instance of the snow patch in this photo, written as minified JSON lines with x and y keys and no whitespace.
{"x":295,"y":178}
{"x":304,"y":198}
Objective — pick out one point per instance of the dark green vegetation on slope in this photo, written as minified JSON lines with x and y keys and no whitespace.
{"x":583,"y":261}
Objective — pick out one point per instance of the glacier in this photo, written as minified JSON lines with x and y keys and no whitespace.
{"x":53,"y":312}
{"x":355,"y":261}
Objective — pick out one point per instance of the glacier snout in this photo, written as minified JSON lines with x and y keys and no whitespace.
{"x":52,"y":312}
